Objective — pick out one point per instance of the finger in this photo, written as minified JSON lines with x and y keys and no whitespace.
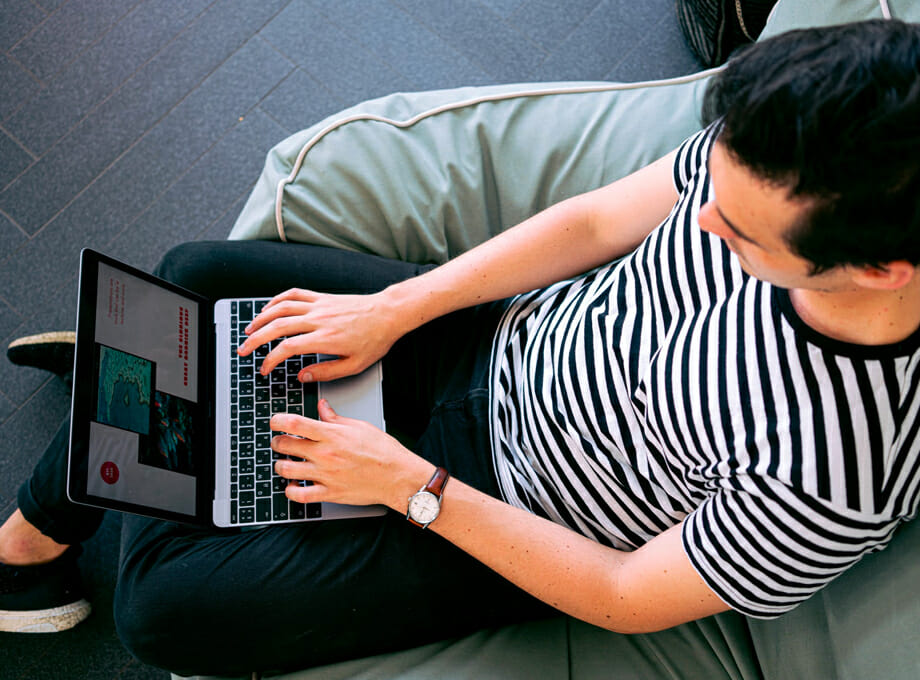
{"x":284,"y":350}
{"x":282,"y":309}
{"x":291,"y":294}
{"x":329,"y":369}
{"x":295,"y":470}
{"x":326,"y":412}
{"x":292,"y":445}
{"x":312,"y":493}
{"x":285,"y":326}
{"x":296,"y":425}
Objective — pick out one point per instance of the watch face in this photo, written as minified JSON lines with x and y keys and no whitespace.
{"x":424,"y":507}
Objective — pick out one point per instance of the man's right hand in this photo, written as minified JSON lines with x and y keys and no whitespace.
{"x":358,"y":329}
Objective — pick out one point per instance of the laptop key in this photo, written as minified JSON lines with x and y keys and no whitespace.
{"x":279,"y":507}
{"x":247,"y":498}
{"x":298,"y":510}
{"x":247,"y":515}
{"x":264,"y":509}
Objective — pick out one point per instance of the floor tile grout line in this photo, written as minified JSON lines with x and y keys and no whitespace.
{"x":15,"y":224}
{"x":48,"y":14}
{"x":230,"y":205}
{"x":145,"y":133}
{"x":281,"y":54}
{"x":118,"y":88}
{"x":332,"y":95}
{"x":637,"y":45}
{"x":96,"y":40}
{"x":399,"y":4}
{"x":562,"y":40}
{"x":38,"y":81}
{"x":367,"y":48}
{"x":35,"y":158}
{"x":228,"y":131}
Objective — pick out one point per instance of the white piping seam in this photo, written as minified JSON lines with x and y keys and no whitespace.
{"x":582,"y":89}
{"x":886,"y":10}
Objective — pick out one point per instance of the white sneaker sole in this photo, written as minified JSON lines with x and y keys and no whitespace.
{"x":45,"y":620}
{"x":63,"y":337}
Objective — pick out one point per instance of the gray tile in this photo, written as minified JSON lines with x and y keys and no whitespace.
{"x":29,"y":431}
{"x":17,"y":18}
{"x":49,"y":5}
{"x":418,"y":54}
{"x":16,"y":86}
{"x":15,"y":159}
{"x":199,"y":198}
{"x":300,"y":101}
{"x":66,"y":33}
{"x":74,"y":92}
{"x":11,"y":239}
{"x":331,"y":56}
{"x":163,"y":82}
{"x":662,"y":54}
{"x":10,"y":320}
{"x":6,"y":410}
{"x":600,"y":42}
{"x":549,"y":22}
{"x":148,"y":169}
{"x":495,"y":46}
{"x":221,"y":227}
{"x":503,"y":8}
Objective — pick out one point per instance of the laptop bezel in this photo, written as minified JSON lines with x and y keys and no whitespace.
{"x":84,"y":395}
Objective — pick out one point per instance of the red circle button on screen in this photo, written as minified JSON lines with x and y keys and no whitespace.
{"x":109,"y":472}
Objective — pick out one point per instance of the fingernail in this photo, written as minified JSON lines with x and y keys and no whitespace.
{"x":306,"y":376}
{"x":249,"y":328}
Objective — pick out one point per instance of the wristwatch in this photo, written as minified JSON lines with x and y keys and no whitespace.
{"x":425,"y":504}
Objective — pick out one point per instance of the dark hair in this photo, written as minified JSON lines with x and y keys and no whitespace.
{"x":834,"y":115}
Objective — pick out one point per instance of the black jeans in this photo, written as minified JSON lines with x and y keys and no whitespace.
{"x":194,"y":600}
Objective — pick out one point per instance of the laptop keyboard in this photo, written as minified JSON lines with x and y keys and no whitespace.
{"x":256,"y":491}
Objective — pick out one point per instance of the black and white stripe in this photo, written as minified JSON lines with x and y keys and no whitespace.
{"x":672,"y":386}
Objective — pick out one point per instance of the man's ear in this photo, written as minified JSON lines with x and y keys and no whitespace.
{"x":890,"y":276}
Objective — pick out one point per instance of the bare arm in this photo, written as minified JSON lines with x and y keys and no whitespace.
{"x":652,"y":588}
{"x":562,"y":241}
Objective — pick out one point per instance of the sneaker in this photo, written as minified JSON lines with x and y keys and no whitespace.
{"x":49,"y":351}
{"x":44,"y":598}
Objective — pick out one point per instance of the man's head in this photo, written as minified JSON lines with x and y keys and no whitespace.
{"x":831,"y":117}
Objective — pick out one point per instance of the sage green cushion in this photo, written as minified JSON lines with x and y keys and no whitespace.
{"x":477,"y":161}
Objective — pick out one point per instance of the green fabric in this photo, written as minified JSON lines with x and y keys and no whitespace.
{"x":453,"y":179}
{"x":866,"y":624}
{"x":789,"y":14}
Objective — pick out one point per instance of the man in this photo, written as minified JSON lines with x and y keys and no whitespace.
{"x":702,"y":398}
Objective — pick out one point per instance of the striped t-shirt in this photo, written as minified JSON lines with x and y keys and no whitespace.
{"x":670,"y":385}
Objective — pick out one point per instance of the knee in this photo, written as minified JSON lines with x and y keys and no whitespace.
{"x":179,"y":261}
{"x":153,"y":622}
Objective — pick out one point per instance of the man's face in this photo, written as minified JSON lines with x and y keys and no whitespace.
{"x":752,"y":217}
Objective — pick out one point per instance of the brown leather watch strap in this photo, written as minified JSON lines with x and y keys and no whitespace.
{"x":437,"y":482}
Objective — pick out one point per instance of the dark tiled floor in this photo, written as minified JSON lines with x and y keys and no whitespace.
{"x":134,"y":125}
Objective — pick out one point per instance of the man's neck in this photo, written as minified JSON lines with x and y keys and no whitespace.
{"x":862,"y":317}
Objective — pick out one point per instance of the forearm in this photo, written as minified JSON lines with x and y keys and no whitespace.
{"x":564,"y":240}
{"x":551,"y":246}
{"x":649,"y":589}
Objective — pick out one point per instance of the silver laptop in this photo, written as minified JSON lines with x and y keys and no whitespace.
{"x":168,"y":421}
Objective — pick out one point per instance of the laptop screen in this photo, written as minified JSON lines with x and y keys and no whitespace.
{"x":144,"y":411}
